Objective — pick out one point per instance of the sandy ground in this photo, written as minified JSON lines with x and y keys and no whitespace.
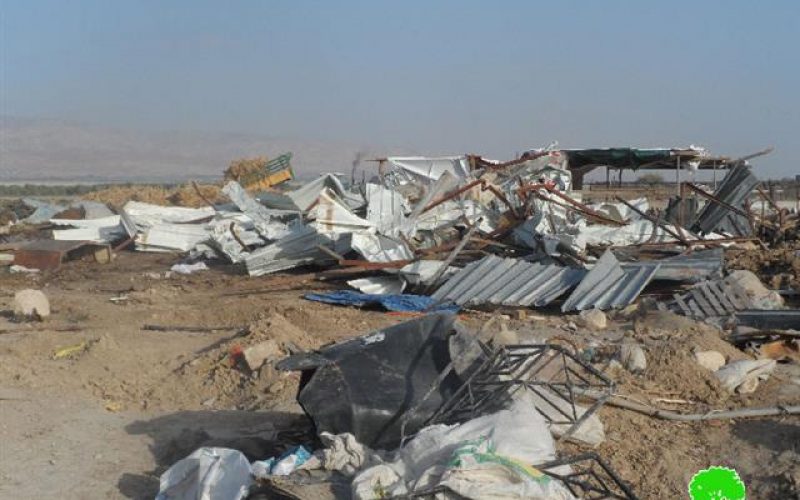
{"x":105,"y":422}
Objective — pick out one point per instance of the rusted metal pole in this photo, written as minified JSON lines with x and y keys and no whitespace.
{"x":656,"y":222}
{"x":450,"y":258}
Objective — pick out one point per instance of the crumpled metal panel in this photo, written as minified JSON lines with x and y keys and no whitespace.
{"x":246,"y":203}
{"x":696,"y":266}
{"x":734,"y":190}
{"x":609,"y":286}
{"x":296,"y":249}
{"x":709,"y":299}
{"x":379,"y":285}
{"x":511,"y":282}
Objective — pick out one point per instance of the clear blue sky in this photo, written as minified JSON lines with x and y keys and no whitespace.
{"x":441,"y":77}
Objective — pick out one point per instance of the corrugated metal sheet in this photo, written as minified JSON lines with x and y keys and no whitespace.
{"x":379,"y":285}
{"x":734,"y":189}
{"x":511,"y":282}
{"x":708,"y":299}
{"x":609,"y":286}
{"x":696,"y":266}
{"x":782,"y":319}
{"x":294,"y":250}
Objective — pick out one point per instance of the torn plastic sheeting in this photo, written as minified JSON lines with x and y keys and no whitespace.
{"x":608,"y":285}
{"x":365,"y":386}
{"x":332,"y":215}
{"x":492,"y":456}
{"x":379,"y":248}
{"x":396,"y":303}
{"x":379,"y":285}
{"x":207,"y":474}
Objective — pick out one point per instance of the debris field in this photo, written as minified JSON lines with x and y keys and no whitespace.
{"x":449,"y":327}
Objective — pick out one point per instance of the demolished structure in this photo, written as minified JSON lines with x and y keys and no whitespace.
{"x":438,"y":235}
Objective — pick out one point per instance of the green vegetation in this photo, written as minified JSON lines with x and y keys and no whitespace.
{"x":717,"y":483}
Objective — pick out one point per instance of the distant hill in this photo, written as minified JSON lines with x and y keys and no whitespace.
{"x":48,"y":150}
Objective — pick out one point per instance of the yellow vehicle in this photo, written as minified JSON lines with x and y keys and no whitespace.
{"x":276,"y":171}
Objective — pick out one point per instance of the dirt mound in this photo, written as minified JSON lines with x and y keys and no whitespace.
{"x":670,"y":342}
{"x":220,"y":378}
{"x":185,"y":195}
{"x":777,"y":267}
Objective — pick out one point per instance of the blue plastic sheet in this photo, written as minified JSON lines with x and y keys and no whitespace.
{"x":398,"y":303}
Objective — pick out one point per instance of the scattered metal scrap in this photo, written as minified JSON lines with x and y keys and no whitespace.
{"x":554,"y":376}
{"x":588,"y":476}
{"x":708,"y":299}
{"x":509,"y":282}
{"x":608,"y":285}
{"x":50,"y":254}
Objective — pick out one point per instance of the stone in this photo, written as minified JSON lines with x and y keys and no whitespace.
{"x":743,"y":376}
{"x":256,"y":355}
{"x":629,"y":311}
{"x":594,"y":319}
{"x":633,"y":358}
{"x":505,"y":336}
{"x":750,"y":286}
{"x":31,"y":304}
{"x":520,"y":314}
{"x":710,"y":360}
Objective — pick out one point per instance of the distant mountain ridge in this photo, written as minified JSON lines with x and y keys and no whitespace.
{"x":51,"y":150}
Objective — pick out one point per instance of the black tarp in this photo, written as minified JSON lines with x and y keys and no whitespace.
{"x":366,"y":386}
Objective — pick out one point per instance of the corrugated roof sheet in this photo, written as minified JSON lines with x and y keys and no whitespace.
{"x":734,"y":189}
{"x":709,"y":299}
{"x":609,"y":286}
{"x":696,"y":266}
{"x":511,"y":282}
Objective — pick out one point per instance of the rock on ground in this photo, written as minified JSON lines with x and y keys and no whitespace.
{"x":633,"y":358}
{"x":710,"y":360}
{"x":594,"y":319}
{"x":31,"y":303}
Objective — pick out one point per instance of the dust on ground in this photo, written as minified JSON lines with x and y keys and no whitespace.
{"x":106,"y":421}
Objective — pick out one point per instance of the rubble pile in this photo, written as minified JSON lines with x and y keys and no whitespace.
{"x":431,"y":407}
